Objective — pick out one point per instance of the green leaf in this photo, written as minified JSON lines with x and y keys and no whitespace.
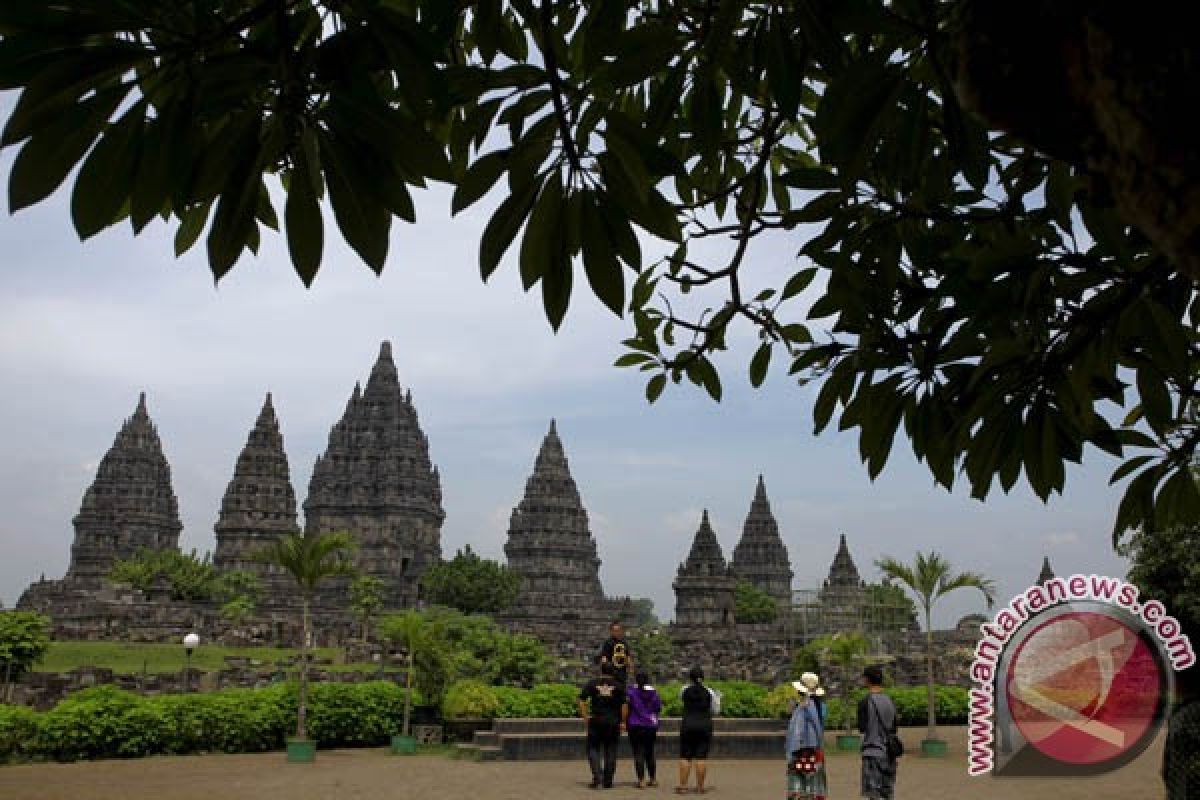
{"x":102,"y":187}
{"x":810,"y":178}
{"x":233,"y":223}
{"x":542,"y":234}
{"x":654,"y":388}
{"x":633,"y":359}
{"x":502,"y":228}
{"x":655,"y":216}
{"x":706,"y":373}
{"x":52,"y":152}
{"x":600,"y":263}
{"x":759,"y":364}
{"x":363,"y":220}
{"x":191,"y":225}
{"x":1128,"y":468}
{"x":478,"y":180}
{"x":852,"y":110}
{"x":798,"y":283}
{"x":302,"y":214}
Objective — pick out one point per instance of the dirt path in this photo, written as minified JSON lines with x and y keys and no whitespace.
{"x":376,"y":775}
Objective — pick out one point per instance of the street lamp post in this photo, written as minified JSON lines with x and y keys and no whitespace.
{"x":190,"y":643}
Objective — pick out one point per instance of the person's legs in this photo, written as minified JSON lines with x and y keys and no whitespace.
{"x":888,"y":783}
{"x":611,"y":740}
{"x":685,"y":771}
{"x":651,"y":759}
{"x":701,"y":773}
{"x":637,"y":743}
{"x":872,"y":776}
{"x":594,"y":754}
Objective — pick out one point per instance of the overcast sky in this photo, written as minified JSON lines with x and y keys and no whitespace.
{"x":85,"y":327}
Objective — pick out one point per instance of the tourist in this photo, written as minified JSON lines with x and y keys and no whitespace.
{"x":816,"y":694}
{"x":696,"y":730}
{"x":617,"y":653}
{"x":603,"y":705}
{"x":803,"y":748}
{"x":877,"y":721}
{"x":644,"y":708}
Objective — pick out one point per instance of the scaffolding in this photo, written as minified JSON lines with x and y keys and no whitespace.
{"x":824,"y":612}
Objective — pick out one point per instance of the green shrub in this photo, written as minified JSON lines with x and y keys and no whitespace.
{"x":778,"y":702}
{"x":18,"y":726}
{"x":470,"y":700}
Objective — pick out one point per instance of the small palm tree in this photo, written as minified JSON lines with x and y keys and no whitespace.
{"x":411,"y":631}
{"x":846,"y":650}
{"x":929,"y":579}
{"x":309,"y":559}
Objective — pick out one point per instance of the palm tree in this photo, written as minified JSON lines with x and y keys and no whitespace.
{"x":412,"y":632}
{"x":309,"y":559}
{"x":846,"y":650}
{"x":929,"y":579}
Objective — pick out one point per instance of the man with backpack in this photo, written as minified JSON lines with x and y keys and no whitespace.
{"x":880,"y":745}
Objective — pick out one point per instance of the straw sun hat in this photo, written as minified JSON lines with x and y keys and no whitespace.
{"x":809,"y":684}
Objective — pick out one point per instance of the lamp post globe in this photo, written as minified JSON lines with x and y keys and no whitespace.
{"x":190,"y":643}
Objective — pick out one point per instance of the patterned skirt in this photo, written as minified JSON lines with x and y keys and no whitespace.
{"x":806,"y":775}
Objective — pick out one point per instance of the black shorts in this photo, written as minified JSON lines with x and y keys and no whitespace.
{"x":694,"y":742}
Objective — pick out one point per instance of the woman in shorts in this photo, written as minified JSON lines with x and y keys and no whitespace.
{"x":695,"y":731}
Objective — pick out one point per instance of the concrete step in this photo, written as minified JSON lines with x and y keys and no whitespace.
{"x":486,"y":738}
{"x":666,"y":725}
{"x":567,"y":746}
{"x":475,"y":752}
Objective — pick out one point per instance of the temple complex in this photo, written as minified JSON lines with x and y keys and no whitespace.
{"x":376,"y":479}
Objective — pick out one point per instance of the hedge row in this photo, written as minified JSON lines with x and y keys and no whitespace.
{"x":106,"y":722}
{"x":738,"y":699}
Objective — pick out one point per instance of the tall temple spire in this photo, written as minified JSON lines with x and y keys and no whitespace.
{"x":1047,"y":574}
{"x":550,"y":544}
{"x":843,"y":572}
{"x":705,"y":557}
{"x":130,"y":505}
{"x":376,"y":480}
{"x":760,"y":557}
{"x":259,"y":504}
{"x":704,"y":588}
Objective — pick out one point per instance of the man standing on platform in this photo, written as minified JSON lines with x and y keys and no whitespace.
{"x":617,"y":653}
{"x":603,"y":705}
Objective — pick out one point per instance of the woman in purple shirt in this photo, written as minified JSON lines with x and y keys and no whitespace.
{"x":644,"y":708}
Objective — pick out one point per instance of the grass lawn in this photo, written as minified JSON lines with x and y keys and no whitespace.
{"x":130,"y":659}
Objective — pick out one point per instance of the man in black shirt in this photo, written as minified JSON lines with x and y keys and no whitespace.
{"x":617,"y":653}
{"x":876,"y":719}
{"x":602,"y":704}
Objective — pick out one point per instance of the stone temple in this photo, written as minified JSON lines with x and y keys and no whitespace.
{"x":376,"y":479}
{"x":552,"y":548}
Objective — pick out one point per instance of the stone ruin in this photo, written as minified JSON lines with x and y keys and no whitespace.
{"x":376,"y":479}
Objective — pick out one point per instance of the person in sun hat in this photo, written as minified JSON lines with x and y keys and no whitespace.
{"x":803,"y":748}
{"x":816,"y":692}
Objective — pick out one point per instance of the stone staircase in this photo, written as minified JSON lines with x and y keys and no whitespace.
{"x":565,"y":740}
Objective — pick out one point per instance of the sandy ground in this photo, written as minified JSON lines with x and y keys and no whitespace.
{"x":374,"y":774}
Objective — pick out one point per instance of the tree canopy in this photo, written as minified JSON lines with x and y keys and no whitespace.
{"x":753,"y":605}
{"x":24,"y":640}
{"x":470,"y":584}
{"x":993,"y":207}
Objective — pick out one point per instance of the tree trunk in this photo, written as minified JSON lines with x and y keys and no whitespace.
{"x":408,"y":683}
{"x":302,"y":706}
{"x":930,"y":699}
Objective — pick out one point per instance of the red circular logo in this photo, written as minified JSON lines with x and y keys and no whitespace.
{"x":1085,"y":688}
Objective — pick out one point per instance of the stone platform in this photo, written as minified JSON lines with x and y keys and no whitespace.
{"x":565,"y":739}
